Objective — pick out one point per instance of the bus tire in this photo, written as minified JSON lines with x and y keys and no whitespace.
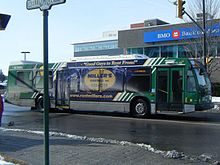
{"x":140,"y":108}
{"x":40,"y":103}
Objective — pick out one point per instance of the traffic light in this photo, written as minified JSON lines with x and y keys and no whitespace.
{"x":180,"y":8}
{"x":4,"y":18}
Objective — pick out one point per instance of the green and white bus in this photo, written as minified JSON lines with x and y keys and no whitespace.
{"x":132,"y":84}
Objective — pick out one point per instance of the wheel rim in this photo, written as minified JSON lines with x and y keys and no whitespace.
{"x":140,"y":108}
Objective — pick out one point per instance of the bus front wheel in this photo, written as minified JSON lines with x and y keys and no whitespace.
{"x":139,"y":108}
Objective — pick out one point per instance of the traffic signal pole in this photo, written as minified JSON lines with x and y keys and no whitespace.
{"x":181,"y":12}
{"x":204,"y":35}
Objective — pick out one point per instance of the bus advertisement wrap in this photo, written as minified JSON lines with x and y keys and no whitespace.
{"x":140,"y":86}
{"x":103,"y":76}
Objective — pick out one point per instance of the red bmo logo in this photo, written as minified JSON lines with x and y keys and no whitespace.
{"x":176,"y":34}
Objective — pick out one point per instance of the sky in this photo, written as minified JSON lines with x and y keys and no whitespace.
{"x":72,"y":22}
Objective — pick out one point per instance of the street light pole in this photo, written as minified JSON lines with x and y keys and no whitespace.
{"x":25,"y":53}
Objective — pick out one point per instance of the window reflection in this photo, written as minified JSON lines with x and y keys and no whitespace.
{"x":96,"y":46}
{"x":152,"y":51}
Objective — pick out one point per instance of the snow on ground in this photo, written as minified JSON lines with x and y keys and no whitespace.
{"x":216,"y":99}
{"x":2,"y":162}
{"x":173,"y":154}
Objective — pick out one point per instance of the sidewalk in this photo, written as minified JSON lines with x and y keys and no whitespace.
{"x":29,"y":148}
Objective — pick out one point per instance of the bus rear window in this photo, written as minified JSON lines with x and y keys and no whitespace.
{"x":24,"y":78}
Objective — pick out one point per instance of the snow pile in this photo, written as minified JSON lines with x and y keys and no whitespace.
{"x":2,"y":162}
{"x":150,"y":148}
{"x":205,"y":157}
{"x":216,"y":107}
{"x":208,"y":158}
{"x":174,"y":154}
{"x":216,"y":99}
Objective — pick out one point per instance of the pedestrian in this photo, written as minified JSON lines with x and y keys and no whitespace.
{"x":1,"y":109}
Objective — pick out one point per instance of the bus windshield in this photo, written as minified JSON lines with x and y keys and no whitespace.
{"x":201,"y":75}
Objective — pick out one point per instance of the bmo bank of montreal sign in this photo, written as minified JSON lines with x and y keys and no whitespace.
{"x":180,"y":34}
{"x":42,"y":4}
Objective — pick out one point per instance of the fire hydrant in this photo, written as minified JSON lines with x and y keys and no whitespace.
{"x":1,"y":108}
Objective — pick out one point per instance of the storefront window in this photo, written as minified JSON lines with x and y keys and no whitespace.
{"x":213,"y":50}
{"x":129,"y":51}
{"x":95,"y":46}
{"x":135,"y":51}
{"x":169,"y":51}
{"x":152,"y":51}
{"x":199,"y":51}
{"x":185,"y":51}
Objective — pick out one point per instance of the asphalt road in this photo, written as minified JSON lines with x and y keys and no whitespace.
{"x":194,"y":135}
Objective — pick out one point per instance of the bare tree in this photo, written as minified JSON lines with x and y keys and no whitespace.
{"x":195,"y":10}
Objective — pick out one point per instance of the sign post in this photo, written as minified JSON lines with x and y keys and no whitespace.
{"x":45,"y":5}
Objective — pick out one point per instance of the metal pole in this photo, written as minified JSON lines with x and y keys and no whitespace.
{"x":46,"y":93}
{"x":25,"y":53}
{"x":194,"y":22}
{"x":204,"y":35}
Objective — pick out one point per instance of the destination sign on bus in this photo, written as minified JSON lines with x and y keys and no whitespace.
{"x":108,"y":63}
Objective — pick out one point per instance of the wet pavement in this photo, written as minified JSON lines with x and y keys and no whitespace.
{"x":191,"y":137}
{"x":28,"y":147}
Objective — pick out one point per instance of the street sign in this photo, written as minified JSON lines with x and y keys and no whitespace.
{"x":4,"y":18}
{"x":42,"y":4}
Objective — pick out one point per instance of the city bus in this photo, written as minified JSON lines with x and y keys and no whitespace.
{"x":134,"y":84}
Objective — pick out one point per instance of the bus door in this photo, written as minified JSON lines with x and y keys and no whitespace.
{"x":170,"y":89}
{"x":63,"y":88}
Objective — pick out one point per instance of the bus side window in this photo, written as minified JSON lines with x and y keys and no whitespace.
{"x":39,"y":79}
{"x":191,"y":84}
{"x":50,"y":79}
{"x":106,"y":84}
{"x":74,"y":83}
{"x":23,"y":78}
{"x":20,"y":76}
{"x":138,"y":83}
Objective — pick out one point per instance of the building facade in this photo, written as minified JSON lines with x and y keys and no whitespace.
{"x":107,"y":45}
{"x":176,"y":40}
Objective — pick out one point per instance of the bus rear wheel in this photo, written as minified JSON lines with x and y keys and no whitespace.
{"x":140,"y":108}
{"x":40,"y":103}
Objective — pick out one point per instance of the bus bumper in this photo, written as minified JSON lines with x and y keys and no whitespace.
{"x":204,"y":106}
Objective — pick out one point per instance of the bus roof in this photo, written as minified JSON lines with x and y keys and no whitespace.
{"x":109,"y":58}
{"x":24,"y":62}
